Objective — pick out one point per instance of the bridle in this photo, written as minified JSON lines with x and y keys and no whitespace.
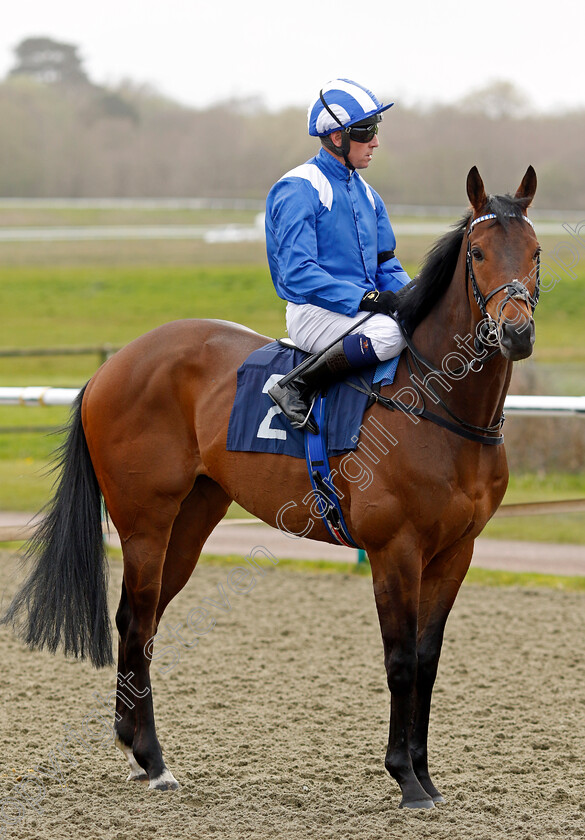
{"x":515,"y":289}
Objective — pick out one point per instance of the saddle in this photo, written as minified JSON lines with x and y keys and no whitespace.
{"x":257,"y":425}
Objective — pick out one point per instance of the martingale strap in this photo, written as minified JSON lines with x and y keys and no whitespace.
{"x":487,"y":435}
{"x":452,"y":427}
{"x":326,"y":498}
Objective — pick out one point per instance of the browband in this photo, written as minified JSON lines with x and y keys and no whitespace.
{"x":493,"y":216}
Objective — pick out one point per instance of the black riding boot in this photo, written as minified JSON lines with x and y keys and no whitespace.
{"x":296,"y":397}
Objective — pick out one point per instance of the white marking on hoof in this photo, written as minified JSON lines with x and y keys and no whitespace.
{"x":166,"y":781}
{"x":137,"y":773}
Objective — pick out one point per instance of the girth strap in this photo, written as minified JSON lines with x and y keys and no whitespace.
{"x":321,"y":480}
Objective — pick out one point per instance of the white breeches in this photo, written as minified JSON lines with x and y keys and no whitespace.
{"x":313,"y":328}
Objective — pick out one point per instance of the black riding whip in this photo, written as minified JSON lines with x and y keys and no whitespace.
{"x":314,"y":357}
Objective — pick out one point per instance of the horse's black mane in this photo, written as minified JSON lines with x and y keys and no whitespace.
{"x":417,"y":299}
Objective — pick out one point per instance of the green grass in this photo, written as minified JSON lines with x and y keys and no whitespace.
{"x":86,"y":305}
{"x":74,"y":305}
{"x":567,"y":529}
{"x":311,"y":566}
{"x":492,"y":577}
{"x":558,"y":528}
{"x":103,"y":298}
{"x":93,"y":305}
{"x":532,"y":487}
{"x":559,"y":321}
{"x":474,"y":577}
{"x":24,"y":485}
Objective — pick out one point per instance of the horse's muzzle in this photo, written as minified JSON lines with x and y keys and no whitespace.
{"x":517,"y":338}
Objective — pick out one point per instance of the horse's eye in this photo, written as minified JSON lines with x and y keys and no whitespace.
{"x":477,"y":254}
{"x":537,"y":253}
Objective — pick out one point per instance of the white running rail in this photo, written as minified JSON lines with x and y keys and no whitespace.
{"x":535,"y":406}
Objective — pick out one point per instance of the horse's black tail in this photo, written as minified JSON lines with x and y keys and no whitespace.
{"x":64,"y":599}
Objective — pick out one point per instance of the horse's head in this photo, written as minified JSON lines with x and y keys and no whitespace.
{"x":502,"y":264}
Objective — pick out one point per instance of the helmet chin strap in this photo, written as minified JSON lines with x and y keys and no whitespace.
{"x":340,"y":151}
{"x":345,"y":138}
{"x":345,"y":148}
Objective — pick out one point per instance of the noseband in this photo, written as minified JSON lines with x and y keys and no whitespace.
{"x":515,"y":289}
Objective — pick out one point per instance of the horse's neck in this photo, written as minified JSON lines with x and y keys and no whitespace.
{"x":446,"y":338}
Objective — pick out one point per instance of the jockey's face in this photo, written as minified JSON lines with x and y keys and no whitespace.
{"x":360,"y":154}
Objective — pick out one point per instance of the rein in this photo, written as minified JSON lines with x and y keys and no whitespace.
{"x":515,"y":290}
{"x":489,"y":435}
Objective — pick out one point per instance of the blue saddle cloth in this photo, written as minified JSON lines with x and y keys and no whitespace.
{"x":258,"y":425}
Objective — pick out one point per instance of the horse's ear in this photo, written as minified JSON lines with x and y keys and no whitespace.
{"x":527,"y":188}
{"x":476,"y":189}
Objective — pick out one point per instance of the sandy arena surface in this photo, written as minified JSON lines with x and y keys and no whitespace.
{"x":275,"y":723}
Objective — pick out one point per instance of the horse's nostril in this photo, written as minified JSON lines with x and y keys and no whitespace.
{"x":516,"y":340}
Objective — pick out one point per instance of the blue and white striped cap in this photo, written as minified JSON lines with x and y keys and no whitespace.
{"x":349,"y":102}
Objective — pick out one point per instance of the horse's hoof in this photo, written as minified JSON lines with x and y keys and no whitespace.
{"x":417,"y":803}
{"x":164,"y":786}
{"x":166,"y":781}
{"x":137,"y":777}
{"x":438,"y":799}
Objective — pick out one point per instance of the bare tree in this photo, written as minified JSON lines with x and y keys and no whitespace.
{"x":61,"y":138}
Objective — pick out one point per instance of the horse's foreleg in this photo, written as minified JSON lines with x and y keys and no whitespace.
{"x":396,"y":588}
{"x":440,"y":584}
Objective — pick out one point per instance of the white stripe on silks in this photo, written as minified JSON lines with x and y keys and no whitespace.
{"x":362,"y":98}
{"x":313,"y":174}
{"x":325,"y":121}
{"x":369,"y":192}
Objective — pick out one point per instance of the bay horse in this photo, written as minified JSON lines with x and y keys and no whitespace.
{"x":148,"y":434}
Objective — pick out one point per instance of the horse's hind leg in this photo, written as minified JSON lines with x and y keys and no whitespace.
{"x":144,"y":555}
{"x":201,"y":510}
{"x":124,"y":724}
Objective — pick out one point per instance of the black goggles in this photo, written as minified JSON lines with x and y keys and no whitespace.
{"x":362,"y":133}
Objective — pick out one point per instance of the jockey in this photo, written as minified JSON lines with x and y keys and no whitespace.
{"x":330,"y":249}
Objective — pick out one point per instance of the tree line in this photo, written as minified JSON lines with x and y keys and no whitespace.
{"x":61,"y":135}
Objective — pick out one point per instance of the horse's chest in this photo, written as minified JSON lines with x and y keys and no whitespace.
{"x":470,"y":507}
